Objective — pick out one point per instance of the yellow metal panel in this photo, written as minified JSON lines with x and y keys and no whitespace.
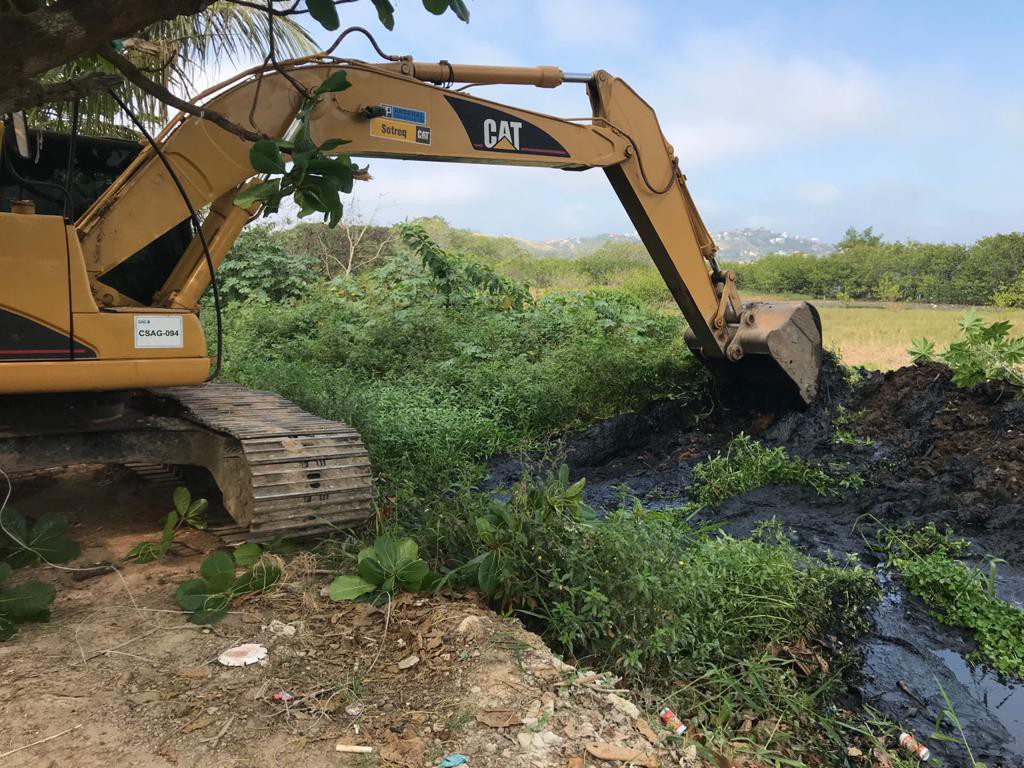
{"x":94,"y":375}
{"x":34,"y":266}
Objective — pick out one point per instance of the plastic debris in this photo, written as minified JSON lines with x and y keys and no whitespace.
{"x":915,"y":747}
{"x":243,"y":655}
{"x":355,"y":710}
{"x":354,"y":749}
{"x":451,"y":761}
{"x":283,"y":696}
{"x":672,"y":721}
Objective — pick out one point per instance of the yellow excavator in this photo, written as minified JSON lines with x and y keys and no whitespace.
{"x":102,"y":355}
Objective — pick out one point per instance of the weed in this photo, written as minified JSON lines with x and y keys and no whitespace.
{"x":959,"y":594}
{"x":208,"y":597}
{"x":842,"y":422}
{"x":186,"y":512}
{"x":948,"y":715}
{"x":749,"y":464}
{"x":384,"y":569}
{"x":980,"y":353}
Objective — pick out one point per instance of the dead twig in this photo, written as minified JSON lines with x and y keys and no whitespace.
{"x":41,"y":741}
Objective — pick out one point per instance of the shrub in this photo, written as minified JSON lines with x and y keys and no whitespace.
{"x":258,"y":269}
{"x":980,"y":353}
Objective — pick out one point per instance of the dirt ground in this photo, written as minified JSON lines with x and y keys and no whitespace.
{"x":140,"y":686}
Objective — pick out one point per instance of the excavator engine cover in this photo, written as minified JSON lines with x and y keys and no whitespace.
{"x":780,"y":345}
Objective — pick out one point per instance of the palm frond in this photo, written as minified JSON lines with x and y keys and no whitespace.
{"x":175,"y":53}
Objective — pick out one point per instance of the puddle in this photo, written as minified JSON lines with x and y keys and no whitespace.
{"x":1005,"y":702}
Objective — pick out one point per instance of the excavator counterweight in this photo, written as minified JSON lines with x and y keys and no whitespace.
{"x":103,"y":278}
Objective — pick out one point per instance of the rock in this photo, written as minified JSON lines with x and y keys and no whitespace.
{"x":409,"y":662}
{"x":471,"y":626}
{"x":279,"y":629}
{"x":628,"y":708}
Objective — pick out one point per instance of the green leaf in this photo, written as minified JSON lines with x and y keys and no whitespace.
{"x":194,"y":516}
{"x":257,"y":193}
{"x":146,"y":552}
{"x":348,"y":588}
{"x":488,"y":573}
{"x":411,"y":575}
{"x":46,"y":541}
{"x":219,"y":571}
{"x":259,"y":578}
{"x":169,"y":525}
{"x":265,"y":157}
{"x":387,"y":553}
{"x":371,"y":571}
{"x":181,"y":498}
{"x":407,"y":550}
{"x":330,"y":144}
{"x":247,"y":554}
{"x":386,"y":13}
{"x":206,"y":606}
{"x":364,"y":553}
{"x":324,"y":12}
{"x":460,"y":10}
{"x":30,"y":600}
{"x":335,"y":83}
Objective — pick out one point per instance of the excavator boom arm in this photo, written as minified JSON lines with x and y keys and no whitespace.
{"x":398,"y":110}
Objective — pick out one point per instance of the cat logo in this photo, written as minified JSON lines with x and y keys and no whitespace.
{"x":502,"y":134}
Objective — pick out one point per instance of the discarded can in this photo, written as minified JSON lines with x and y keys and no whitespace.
{"x":672,"y":721}
{"x":915,"y":747}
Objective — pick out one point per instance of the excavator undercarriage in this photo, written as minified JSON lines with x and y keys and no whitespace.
{"x":281,"y":471}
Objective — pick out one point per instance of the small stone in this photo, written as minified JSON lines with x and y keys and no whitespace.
{"x":471,"y":626}
{"x":476,"y":689}
{"x":628,"y":708}
{"x":854,"y":752}
{"x":409,"y":662}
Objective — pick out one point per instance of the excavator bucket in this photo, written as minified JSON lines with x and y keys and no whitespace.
{"x":781,"y":353}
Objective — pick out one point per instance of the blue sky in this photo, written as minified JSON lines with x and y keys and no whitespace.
{"x":805,"y":117}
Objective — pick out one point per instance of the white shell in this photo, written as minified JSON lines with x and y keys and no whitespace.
{"x":243,"y":655}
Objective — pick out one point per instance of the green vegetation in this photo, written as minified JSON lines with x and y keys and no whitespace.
{"x":959,"y":594}
{"x":384,"y":569}
{"x":186,"y":512}
{"x":981,"y":353}
{"x":843,"y":422}
{"x":864,"y":267}
{"x":439,"y":364}
{"x":748,"y":464}
{"x":22,"y":545}
{"x":647,"y":596}
{"x":208,"y":597}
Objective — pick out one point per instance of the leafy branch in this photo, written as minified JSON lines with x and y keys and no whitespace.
{"x":208,"y":597}
{"x":186,"y":512}
{"x":980,"y":353}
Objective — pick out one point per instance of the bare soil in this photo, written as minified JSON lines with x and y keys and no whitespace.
{"x":140,"y":686}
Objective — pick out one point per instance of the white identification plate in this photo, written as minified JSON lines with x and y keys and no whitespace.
{"x":158,"y":331}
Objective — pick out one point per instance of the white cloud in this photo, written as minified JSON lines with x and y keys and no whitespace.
{"x":732,"y":95}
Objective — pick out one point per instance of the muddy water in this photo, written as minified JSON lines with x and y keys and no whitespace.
{"x":938,"y":454}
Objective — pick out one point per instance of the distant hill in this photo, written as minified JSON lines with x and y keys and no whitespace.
{"x":734,"y":244}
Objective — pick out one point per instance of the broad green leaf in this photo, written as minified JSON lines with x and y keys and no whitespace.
{"x":335,"y":83}
{"x":247,"y":554}
{"x":388,"y":586}
{"x":386,"y":13}
{"x":387,"y":553}
{"x":192,"y":594}
{"x":30,"y":600}
{"x":257,"y":193}
{"x":324,"y":12}
{"x":460,"y":10}
{"x":259,"y":578}
{"x":206,"y":606}
{"x":169,"y":525}
{"x":371,"y":571}
{"x":436,"y":7}
{"x":145,"y":552}
{"x":348,"y":588}
{"x":408,"y":550}
{"x":410,"y":576}
{"x":46,"y":541}
{"x":219,"y":571}
{"x":330,"y":144}
{"x":364,"y":553}
{"x":265,"y":157}
{"x":182,"y":498}
{"x":488,"y":572}
{"x":196,"y":510}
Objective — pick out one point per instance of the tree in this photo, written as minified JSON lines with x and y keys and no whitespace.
{"x":173,"y":52}
{"x":39,"y":36}
{"x":853,"y":238}
{"x":353,"y":244}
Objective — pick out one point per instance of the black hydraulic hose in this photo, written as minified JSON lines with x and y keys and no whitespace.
{"x":69,"y":204}
{"x":196,"y":225}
